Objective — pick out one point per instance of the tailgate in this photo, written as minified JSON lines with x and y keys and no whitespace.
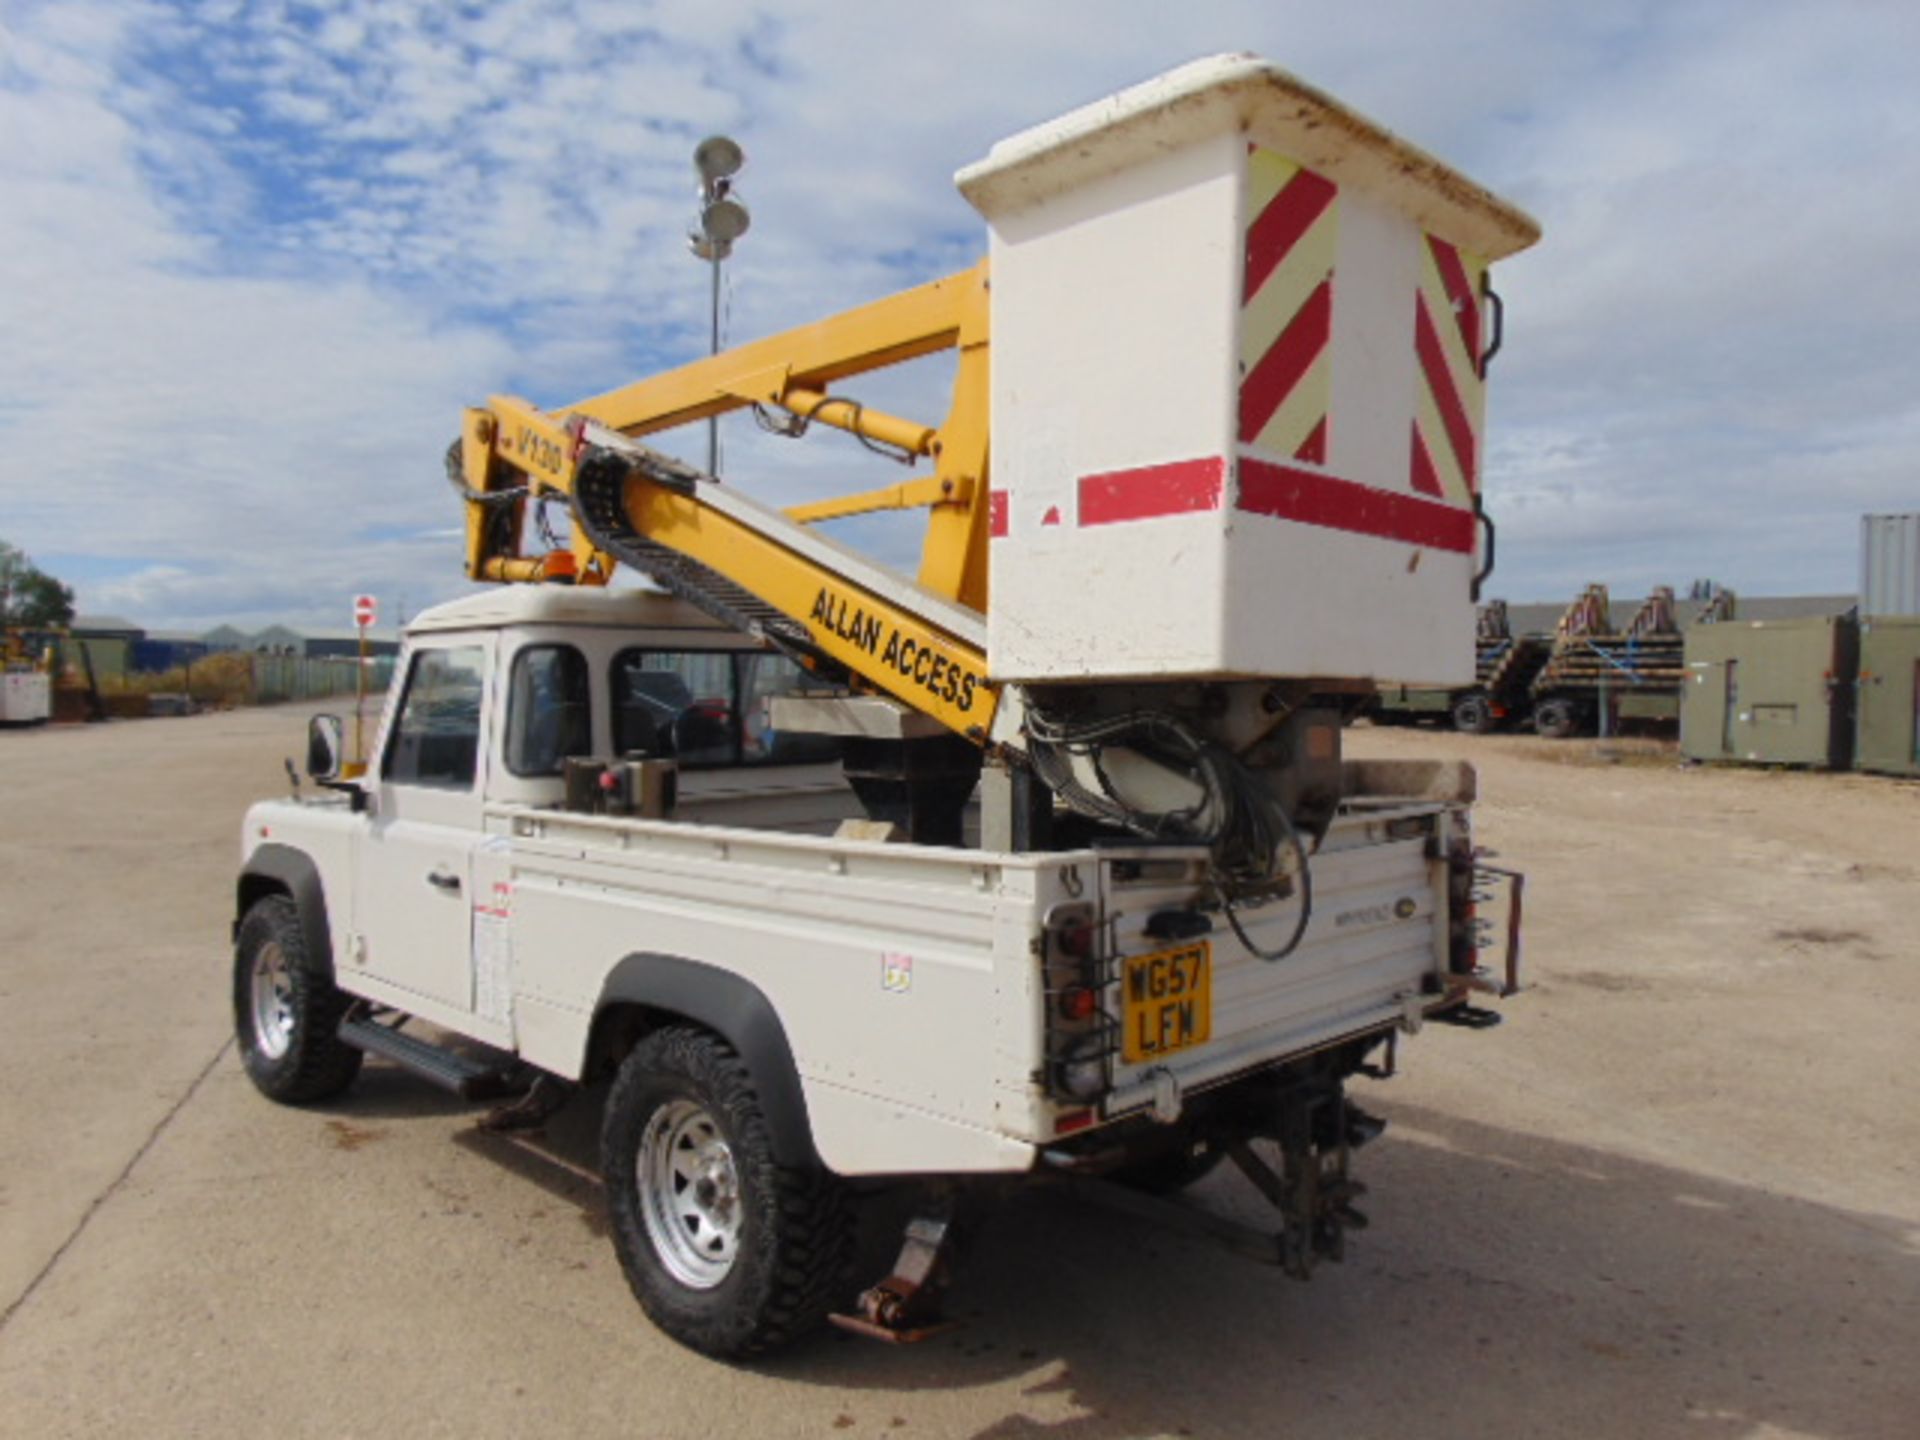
{"x":1207,"y":1008}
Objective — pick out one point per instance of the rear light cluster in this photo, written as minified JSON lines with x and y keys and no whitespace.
{"x":1074,"y":938}
{"x":1079,"y":1032}
{"x":1463,"y":922}
{"x":1079,"y":1002}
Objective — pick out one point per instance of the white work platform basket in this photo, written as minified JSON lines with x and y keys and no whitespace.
{"x":1239,"y":336}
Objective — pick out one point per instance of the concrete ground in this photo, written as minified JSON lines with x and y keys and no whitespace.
{"x":1677,"y":1194}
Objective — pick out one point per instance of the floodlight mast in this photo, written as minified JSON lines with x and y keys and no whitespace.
{"x":723,"y":220}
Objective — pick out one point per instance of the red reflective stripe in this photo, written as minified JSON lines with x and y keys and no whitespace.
{"x":1271,"y":380}
{"x":1453,"y":414}
{"x":1314,"y":447}
{"x":997,"y":514}
{"x":1425,"y":478}
{"x":1179,"y":488}
{"x":1311,"y":498}
{"x":1278,"y":228}
{"x":1466,"y":305}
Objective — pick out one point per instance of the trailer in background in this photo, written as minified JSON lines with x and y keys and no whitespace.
{"x":1771,"y":692}
{"x":1504,"y":666}
{"x":1597,"y":673}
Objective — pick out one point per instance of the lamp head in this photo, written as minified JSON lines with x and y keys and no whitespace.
{"x":717,"y":157}
{"x":724,"y":221}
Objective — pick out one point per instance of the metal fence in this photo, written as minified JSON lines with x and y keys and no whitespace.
{"x":278,"y":678}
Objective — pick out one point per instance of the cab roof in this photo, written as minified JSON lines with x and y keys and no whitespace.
{"x":506,"y":605}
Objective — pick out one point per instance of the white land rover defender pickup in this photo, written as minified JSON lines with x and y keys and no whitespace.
{"x":589,"y":843}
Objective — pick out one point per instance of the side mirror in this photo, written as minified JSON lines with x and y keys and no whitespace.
{"x":325,"y":745}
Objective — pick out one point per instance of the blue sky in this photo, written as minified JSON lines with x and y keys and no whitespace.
{"x":254,"y":257}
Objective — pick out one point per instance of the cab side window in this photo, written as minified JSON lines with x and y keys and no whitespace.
{"x":436,"y":740}
{"x":548,"y":710}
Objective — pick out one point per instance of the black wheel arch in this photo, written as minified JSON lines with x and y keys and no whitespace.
{"x":646,"y":989}
{"x":275,"y":869}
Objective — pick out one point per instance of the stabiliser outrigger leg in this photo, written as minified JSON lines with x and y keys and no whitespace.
{"x":1317,"y":1130}
{"x":905,"y":1306}
{"x":1308,"y":1116}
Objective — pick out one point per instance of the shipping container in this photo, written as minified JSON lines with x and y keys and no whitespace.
{"x":1889,"y":565}
{"x":1771,"y":692}
{"x":1889,"y":704}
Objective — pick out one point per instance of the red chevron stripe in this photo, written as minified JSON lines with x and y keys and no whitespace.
{"x":996,"y":514}
{"x":1453,"y":414}
{"x":1466,"y":305}
{"x":1314,"y":447}
{"x":1425,"y":478}
{"x":1270,"y":381}
{"x":1278,"y":228}
{"x":1310,"y":498}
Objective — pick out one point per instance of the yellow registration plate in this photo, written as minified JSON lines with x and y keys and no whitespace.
{"x":1169,"y":1001}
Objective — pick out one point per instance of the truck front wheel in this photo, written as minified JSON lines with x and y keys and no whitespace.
{"x":727,"y":1250}
{"x":286,"y":1016}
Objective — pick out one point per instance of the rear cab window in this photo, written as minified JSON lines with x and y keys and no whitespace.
{"x":549,"y":710}
{"x":710,"y":708}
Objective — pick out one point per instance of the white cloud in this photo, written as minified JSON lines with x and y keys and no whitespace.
{"x":256,"y":255}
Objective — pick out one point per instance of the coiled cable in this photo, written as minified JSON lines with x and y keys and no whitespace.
{"x":1251,"y":839}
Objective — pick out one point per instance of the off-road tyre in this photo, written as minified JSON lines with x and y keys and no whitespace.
{"x":1473,"y":715}
{"x":795,"y":1227}
{"x":313,"y":1064}
{"x":1556,"y":719}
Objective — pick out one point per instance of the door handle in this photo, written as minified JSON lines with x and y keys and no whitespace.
{"x":444,"y":880}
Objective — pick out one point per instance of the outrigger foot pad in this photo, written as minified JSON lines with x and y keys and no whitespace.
{"x":531,"y":1110}
{"x":905,"y":1307}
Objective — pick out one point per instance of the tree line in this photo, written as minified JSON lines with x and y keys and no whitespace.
{"x":29,"y":597}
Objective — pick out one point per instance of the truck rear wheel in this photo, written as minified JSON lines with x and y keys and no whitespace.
{"x":286,"y":1015}
{"x":1556,"y":719}
{"x":727,"y":1250}
{"x":1473,"y":715}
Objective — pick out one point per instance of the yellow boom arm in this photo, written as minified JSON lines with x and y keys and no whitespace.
{"x":922,"y":642}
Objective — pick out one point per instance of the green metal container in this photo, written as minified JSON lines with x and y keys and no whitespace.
{"x":1774,"y":692}
{"x":1889,"y":705}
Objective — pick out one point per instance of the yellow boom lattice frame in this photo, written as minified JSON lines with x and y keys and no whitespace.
{"x":511,"y":444}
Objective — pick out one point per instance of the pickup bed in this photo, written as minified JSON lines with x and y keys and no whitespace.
{"x":789,"y":1002}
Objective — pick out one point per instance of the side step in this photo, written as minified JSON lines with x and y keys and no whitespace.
{"x":469,"y":1079}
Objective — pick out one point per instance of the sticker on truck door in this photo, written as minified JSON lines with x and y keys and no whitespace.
{"x":493,"y":955}
{"x":1168,"y":1001}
